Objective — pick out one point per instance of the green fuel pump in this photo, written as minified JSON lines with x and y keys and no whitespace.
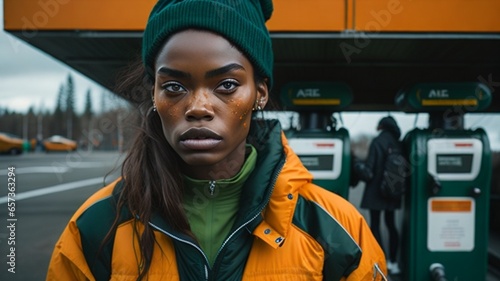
{"x":322,"y":147}
{"x":445,"y":227}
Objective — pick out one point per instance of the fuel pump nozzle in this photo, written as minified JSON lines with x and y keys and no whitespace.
{"x":437,"y":272}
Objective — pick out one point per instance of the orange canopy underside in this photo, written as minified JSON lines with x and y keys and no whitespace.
{"x":289,"y":15}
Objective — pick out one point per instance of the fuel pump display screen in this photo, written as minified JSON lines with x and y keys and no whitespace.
{"x":322,"y":157}
{"x":453,"y":163}
{"x":318,"y":162}
{"x":454,"y":159}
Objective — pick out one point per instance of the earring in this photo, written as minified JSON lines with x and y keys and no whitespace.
{"x":259,"y":108}
{"x":154,"y":104}
{"x":261,"y":101}
{"x":258,"y":104}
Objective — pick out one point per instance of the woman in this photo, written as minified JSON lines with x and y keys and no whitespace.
{"x":208,"y":193}
{"x":373,"y":199}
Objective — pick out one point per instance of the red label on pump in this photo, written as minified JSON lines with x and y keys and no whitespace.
{"x":325,"y":144}
{"x":459,"y":144}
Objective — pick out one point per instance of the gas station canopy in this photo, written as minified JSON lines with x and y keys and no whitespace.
{"x":375,"y":47}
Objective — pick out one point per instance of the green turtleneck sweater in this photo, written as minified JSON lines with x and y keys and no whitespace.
{"x":211,"y":206}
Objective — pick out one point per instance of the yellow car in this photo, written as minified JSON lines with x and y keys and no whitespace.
{"x":10,"y":144}
{"x":59,"y":143}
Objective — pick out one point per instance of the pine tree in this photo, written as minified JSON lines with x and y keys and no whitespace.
{"x":57,"y":127}
{"x":61,"y":97}
{"x":88,"y":105}
{"x":86,"y":122}
{"x":70,"y":106}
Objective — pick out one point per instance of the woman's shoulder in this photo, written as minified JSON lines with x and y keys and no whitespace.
{"x":98,"y":198}
{"x":333,"y":204}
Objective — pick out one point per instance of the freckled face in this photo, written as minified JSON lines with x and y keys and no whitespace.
{"x":204,"y":93}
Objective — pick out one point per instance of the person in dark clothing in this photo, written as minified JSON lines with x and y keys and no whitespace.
{"x":371,"y":172}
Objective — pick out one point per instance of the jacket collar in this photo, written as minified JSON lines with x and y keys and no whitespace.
{"x":284,"y":185}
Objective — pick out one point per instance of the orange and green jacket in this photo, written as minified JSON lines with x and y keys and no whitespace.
{"x":287,"y":229}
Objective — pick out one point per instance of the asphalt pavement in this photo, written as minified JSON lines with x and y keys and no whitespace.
{"x":48,"y":190}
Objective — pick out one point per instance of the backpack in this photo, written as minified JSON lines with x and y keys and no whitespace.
{"x":393,"y":184}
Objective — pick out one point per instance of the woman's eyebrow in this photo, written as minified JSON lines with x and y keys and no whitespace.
{"x":223,"y":70}
{"x":173,"y":73}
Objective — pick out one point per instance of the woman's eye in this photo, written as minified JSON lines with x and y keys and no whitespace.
{"x":173,"y":87}
{"x":228,"y":86}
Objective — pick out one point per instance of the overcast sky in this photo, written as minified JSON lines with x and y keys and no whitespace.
{"x":29,"y":77}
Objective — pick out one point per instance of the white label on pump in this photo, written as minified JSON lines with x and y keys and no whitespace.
{"x":451,"y":224}
{"x":322,"y":157}
{"x":454,"y":159}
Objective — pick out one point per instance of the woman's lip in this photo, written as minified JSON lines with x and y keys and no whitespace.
{"x":199,"y":133}
{"x":200,"y":144}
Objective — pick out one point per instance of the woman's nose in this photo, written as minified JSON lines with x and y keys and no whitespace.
{"x":199,"y":107}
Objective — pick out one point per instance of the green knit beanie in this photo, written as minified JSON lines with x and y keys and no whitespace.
{"x":241,"y":22}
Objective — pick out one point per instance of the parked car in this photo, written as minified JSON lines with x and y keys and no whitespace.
{"x":10,"y":144}
{"x":59,"y":143}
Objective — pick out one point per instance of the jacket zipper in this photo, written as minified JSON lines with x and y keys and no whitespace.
{"x":186,"y":242}
{"x":211,"y":187}
{"x":282,"y":163}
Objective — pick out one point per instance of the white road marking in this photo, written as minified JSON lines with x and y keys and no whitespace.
{"x":57,"y":168}
{"x":52,"y":189}
{"x":38,"y":170}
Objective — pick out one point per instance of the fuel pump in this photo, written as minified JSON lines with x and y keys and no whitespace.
{"x":322,"y":147}
{"x":445,"y":227}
